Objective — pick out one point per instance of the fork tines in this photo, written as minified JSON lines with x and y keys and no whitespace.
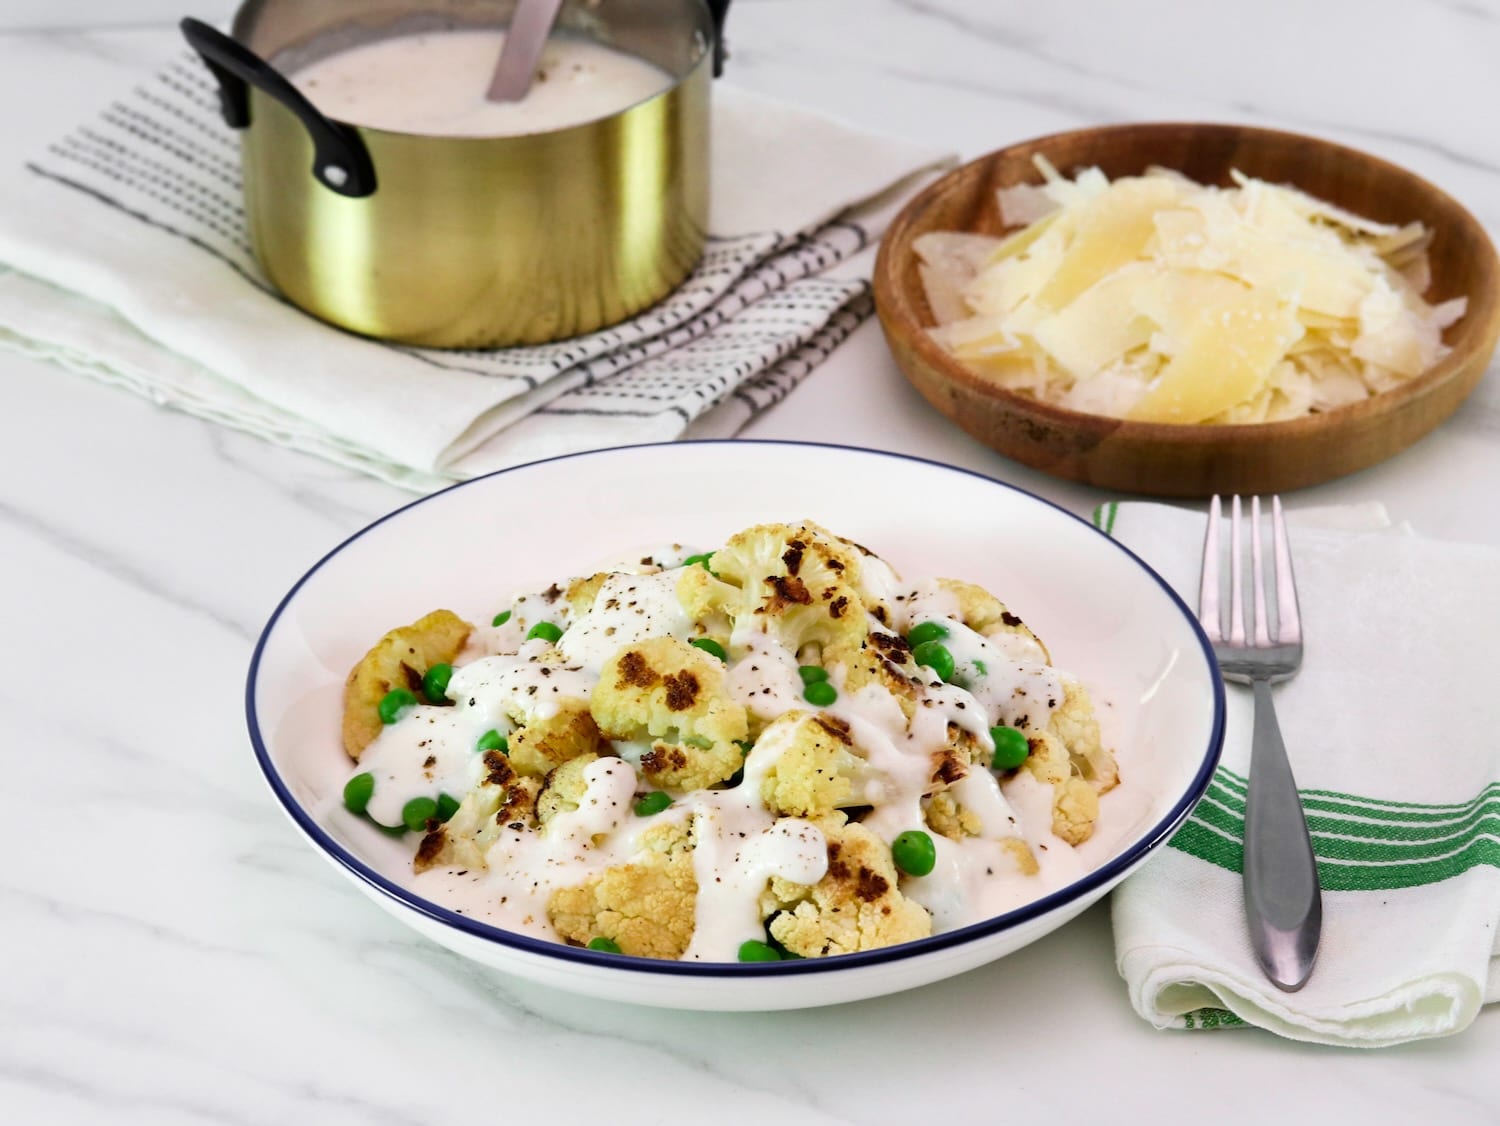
{"x":1210,"y":614}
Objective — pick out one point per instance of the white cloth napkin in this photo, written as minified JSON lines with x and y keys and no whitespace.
{"x":123,"y":255}
{"x":1391,"y":731}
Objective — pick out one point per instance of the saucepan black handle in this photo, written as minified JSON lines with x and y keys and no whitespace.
{"x":341,"y":163}
{"x":719,"y":9}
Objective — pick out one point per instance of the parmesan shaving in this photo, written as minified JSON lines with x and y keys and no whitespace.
{"x":1157,"y":299}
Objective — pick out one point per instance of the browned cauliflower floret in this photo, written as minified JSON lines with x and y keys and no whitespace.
{"x":791,"y":579}
{"x":856,"y":906}
{"x":503,"y":799}
{"x":397,"y":660}
{"x":880,"y":658}
{"x":817,"y":768}
{"x":665,"y":691}
{"x":646,"y":906}
{"x":985,"y":614}
{"x":544,"y":742}
{"x":951,"y":763}
{"x":581,"y":592}
{"x":683,"y":766}
{"x":868,"y":573}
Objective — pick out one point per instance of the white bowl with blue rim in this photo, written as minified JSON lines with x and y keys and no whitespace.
{"x":1105,"y":616}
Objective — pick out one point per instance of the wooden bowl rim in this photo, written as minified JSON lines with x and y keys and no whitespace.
{"x":893,"y":303}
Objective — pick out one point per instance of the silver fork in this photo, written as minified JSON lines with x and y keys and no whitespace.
{"x":1283,"y":902}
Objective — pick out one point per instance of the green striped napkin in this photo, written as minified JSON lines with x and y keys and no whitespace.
{"x":1391,"y":727}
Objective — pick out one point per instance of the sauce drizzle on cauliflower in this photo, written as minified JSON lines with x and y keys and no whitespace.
{"x":771,"y":817}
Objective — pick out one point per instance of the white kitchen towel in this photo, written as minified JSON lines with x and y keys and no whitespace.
{"x":124,"y":255}
{"x":1390,"y":729}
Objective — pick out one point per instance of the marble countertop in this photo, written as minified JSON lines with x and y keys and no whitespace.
{"x":173,"y":953}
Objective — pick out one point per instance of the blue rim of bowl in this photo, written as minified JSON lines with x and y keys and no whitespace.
{"x":1101,"y":876}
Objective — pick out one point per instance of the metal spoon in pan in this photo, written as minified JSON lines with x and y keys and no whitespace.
{"x":516,"y":68}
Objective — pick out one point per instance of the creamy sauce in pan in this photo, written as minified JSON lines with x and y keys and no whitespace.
{"x":435,"y":84}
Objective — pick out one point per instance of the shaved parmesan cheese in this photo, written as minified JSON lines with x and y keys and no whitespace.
{"x":1158,"y":299}
{"x":1225,"y":359}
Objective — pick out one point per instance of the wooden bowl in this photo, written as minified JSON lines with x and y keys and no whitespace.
{"x":1181,"y":460}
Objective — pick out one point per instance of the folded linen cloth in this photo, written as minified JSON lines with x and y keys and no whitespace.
{"x":1390,"y":728}
{"x":124,"y":255}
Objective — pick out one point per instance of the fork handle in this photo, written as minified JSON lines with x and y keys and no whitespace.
{"x":1283,"y":903}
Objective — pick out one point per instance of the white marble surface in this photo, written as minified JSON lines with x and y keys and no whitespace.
{"x":170,"y":952}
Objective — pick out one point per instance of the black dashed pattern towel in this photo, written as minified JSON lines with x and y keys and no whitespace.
{"x":123,"y":255}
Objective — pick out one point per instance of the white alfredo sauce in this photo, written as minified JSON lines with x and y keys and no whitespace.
{"x":435,"y":84}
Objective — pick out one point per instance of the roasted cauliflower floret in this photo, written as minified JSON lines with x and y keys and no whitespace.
{"x":682,"y":766}
{"x":817,"y":768}
{"x":502,"y":799}
{"x":946,"y":815}
{"x":599,"y":789}
{"x":646,"y":906}
{"x":1071,"y":759}
{"x":952,"y":762}
{"x":789,"y":579}
{"x":564,"y":788}
{"x":869,"y":574}
{"x":1075,"y":808}
{"x":1074,"y":724}
{"x":581,"y":593}
{"x":544,"y":742}
{"x":856,"y":906}
{"x":880,"y":658}
{"x":985,"y":614}
{"x":665,"y":691}
{"x":1075,"y":803}
{"x":397,"y":660}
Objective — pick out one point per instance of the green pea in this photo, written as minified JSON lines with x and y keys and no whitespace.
{"x":820,"y":693}
{"x":358,"y":791}
{"x":435,"y":683}
{"x":753,"y":950}
{"x":654,"y":802}
{"x":604,"y":945}
{"x":501,"y":618}
{"x":394,"y":704}
{"x":811,"y":674}
{"x":416,"y":813}
{"x":925,"y":632}
{"x":545,"y":630}
{"x":1011,"y":748}
{"x":914,"y":853}
{"x":447,"y":806}
{"x":492,"y":740}
{"x":710,"y":646}
{"x":935,"y":655}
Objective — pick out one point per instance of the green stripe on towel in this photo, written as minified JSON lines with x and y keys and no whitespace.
{"x":1362,"y":844}
{"x":1211,"y":1018}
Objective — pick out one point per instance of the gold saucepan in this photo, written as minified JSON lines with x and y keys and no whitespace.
{"x":469,"y":242}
